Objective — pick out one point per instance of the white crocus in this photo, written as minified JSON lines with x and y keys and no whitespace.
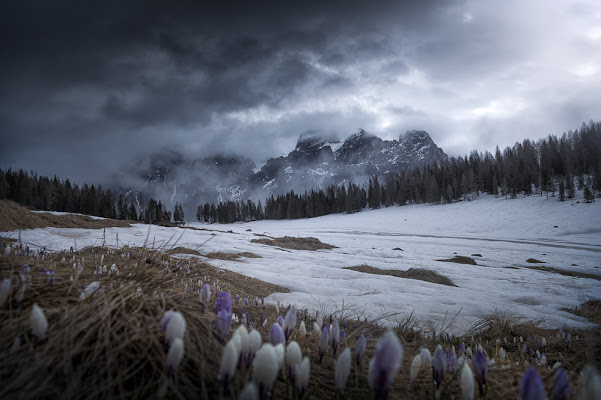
{"x":250,"y":392}
{"x":175,"y":355}
{"x":467,"y":382}
{"x":254,"y":343}
{"x":316,"y":328}
{"x":343,"y":369}
{"x":229,"y":361}
{"x":303,"y":373}
{"x":302,"y":329}
{"x":279,"y":354}
{"x":293,"y":358}
{"x":590,"y":383}
{"x":426,"y":358}
{"x":176,"y":328}
{"x":502,"y":355}
{"x":319,"y":320}
{"x":39,"y":323}
{"x":265,"y":369}
{"x":416,"y":366}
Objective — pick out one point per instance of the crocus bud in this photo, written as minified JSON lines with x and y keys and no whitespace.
{"x":426,"y":358}
{"x":289,"y":323}
{"x":467,"y":382}
{"x":39,"y":323}
{"x":242,"y":335}
{"x":502,"y":354}
{"x":319,"y":319}
{"x":360,"y":350}
{"x":254,"y":343}
{"x":265,"y":369}
{"x":302,"y":329}
{"x":323,"y":342}
{"x":316,"y":328}
{"x":165,"y":320}
{"x":293,"y":359}
{"x":342,"y":369}
{"x":385,"y":365}
{"x":416,"y":366}
{"x":175,"y":328}
{"x":439,"y":365}
{"x":229,"y":361}
{"x":335,"y":336}
{"x":481,"y":367}
{"x":531,"y":386}
{"x":205,"y":294}
{"x":276,"y":335}
{"x":561,"y":385}
{"x":4,"y":290}
{"x":302,"y":377}
{"x":250,"y":392}
{"x":281,"y":321}
{"x":590,"y":386}
{"x":279,"y":354}
{"x":175,"y":355}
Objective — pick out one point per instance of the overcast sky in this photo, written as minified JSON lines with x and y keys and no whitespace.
{"x":86,"y":87}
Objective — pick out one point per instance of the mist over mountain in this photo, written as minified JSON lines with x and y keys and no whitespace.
{"x":316,"y":162}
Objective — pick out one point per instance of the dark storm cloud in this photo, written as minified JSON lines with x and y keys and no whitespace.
{"x":135,"y":77}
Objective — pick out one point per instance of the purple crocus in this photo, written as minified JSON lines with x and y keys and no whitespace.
{"x":385,"y":364}
{"x":276,"y":335}
{"x":561,"y":385}
{"x":481,"y":367}
{"x":360,"y":350}
{"x":439,"y":365}
{"x":165,"y":320}
{"x":323,"y":341}
{"x":531,"y":386}
{"x":281,"y":321}
{"x":205,"y":294}
{"x":335,"y":336}
{"x":223,"y":311}
{"x":289,"y":323}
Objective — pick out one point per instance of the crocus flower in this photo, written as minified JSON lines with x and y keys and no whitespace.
{"x":531,"y":386}
{"x":385,"y":365}
{"x":229,"y":361}
{"x":302,"y":329}
{"x":39,"y":323}
{"x":165,"y":320}
{"x":335,"y":336}
{"x":254,"y":343}
{"x":205,"y":294}
{"x":342,"y":369}
{"x":416,"y":366}
{"x":481,"y":367}
{"x":467,"y":382}
{"x":439,"y":365}
{"x":276,"y":335}
{"x":241,"y":334}
{"x":502,"y":354}
{"x":426,"y":358}
{"x":250,"y":392}
{"x":360,"y":350}
{"x":323,"y":342}
{"x":302,"y":377}
{"x":4,"y":290}
{"x":591,"y":383}
{"x":561,"y":385}
{"x":175,"y":355}
{"x":293,"y":359}
{"x":319,"y":319}
{"x":281,"y":321}
{"x":279,"y":354}
{"x":175,"y":328}
{"x":316,"y":328}
{"x":289,"y":323}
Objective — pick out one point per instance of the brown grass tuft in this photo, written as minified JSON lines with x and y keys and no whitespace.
{"x":565,"y":272}
{"x":590,"y":310}
{"x":461,"y":260}
{"x":534,"y":261}
{"x":295,"y":243}
{"x":421,"y":274}
{"x":14,"y":216}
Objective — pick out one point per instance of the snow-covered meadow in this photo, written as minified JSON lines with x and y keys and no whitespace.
{"x":565,"y":235}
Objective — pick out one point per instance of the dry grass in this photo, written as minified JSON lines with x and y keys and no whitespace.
{"x":563,"y":272}
{"x":14,"y":216}
{"x":420,"y":274}
{"x":534,"y":261}
{"x":590,"y":310}
{"x":110,"y":344}
{"x":295,"y":243}
{"x":461,"y":260}
{"x":220,"y":255}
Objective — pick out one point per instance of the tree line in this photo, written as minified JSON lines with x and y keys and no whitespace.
{"x":553,"y":166}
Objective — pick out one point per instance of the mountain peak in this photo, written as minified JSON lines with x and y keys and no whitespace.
{"x":415,"y":136}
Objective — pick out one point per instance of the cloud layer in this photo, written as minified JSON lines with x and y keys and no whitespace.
{"x":86,"y":88}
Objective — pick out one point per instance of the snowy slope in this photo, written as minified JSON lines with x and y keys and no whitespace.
{"x":566,"y":235}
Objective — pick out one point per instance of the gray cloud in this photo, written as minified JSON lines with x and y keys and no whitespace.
{"x":87,"y":88}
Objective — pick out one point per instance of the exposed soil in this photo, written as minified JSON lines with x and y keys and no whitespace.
{"x":534,"y":261}
{"x":296,"y":243}
{"x":421,"y":274}
{"x":461,"y":260}
{"x":14,"y":216}
{"x":563,"y":272}
{"x":590,"y":310}
{"x":220,"y":255}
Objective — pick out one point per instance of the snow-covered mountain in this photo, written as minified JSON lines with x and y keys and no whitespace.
{"x":315,"y":162}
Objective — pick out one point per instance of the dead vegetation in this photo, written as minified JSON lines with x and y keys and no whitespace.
{"x":220,"y":255}
{"x":590,"y":310}
{"x":295,"y":243}
{"x":564,"y":272}
{"x":420,"y":274}
{"x":14,"y":216}
{"x":534,"y":261}
{"x":460,"y":260}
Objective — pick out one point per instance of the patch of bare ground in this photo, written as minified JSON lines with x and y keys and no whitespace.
{"x":420,"y":274}
{"x":564,"y":272}
{"x":590,"y":310}
{"x":14,"y":216}
{"x":534,"y":261}
{"x":220,"y":255}
{"x":183,"y":250}
{"x":296,"y":243}
{"x":460,"y":260}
